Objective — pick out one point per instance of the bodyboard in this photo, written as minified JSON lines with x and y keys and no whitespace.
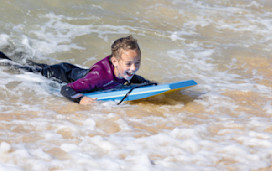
{"x":136,"y":93}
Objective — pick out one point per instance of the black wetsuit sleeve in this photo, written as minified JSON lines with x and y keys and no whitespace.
{"x":137,"y":79}
{"x":71,"y":94}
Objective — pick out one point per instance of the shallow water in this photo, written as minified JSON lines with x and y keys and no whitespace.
{"x":223,"y":123}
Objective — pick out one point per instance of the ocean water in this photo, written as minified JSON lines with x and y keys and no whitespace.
{"x":223,"y":123}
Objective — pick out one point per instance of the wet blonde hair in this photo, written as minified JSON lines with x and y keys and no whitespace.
{"x":124,"y":43}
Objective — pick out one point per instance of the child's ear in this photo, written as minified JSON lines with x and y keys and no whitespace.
{"x":114,"y":61}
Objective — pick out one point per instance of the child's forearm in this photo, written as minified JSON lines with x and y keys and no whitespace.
{"x":71,"y":94}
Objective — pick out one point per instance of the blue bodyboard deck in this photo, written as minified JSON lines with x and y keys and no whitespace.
{"x":140,"y":92}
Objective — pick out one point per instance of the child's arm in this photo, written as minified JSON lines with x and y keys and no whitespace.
{"x":137,"y":79}
{"x":72,"y":95}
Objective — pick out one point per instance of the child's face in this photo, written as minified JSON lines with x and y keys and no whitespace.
{"x":128,"y":64}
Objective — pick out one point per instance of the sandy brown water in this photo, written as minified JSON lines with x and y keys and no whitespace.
{"x":223,"y":123}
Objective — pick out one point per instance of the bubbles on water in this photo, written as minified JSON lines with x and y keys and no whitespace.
{"x":268,"y":107}
{"x":5,"y":147}
{"x":3,"y":40}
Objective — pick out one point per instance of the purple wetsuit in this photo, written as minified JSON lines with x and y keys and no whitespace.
{"x":100,"y":77}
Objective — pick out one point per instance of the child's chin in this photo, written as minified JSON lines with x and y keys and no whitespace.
{"x":128,"y":78}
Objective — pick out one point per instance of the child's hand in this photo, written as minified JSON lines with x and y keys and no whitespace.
{"x":86,"y":100}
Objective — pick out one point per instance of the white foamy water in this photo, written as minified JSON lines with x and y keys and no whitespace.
{"x":223,"y":123}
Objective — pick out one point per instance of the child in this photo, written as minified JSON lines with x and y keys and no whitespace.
{"x":113,"y":71}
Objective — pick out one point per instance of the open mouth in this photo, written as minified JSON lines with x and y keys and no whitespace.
{"x":129,"y":74}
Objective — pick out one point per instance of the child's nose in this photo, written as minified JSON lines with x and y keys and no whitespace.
{"x":133,"y":67}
